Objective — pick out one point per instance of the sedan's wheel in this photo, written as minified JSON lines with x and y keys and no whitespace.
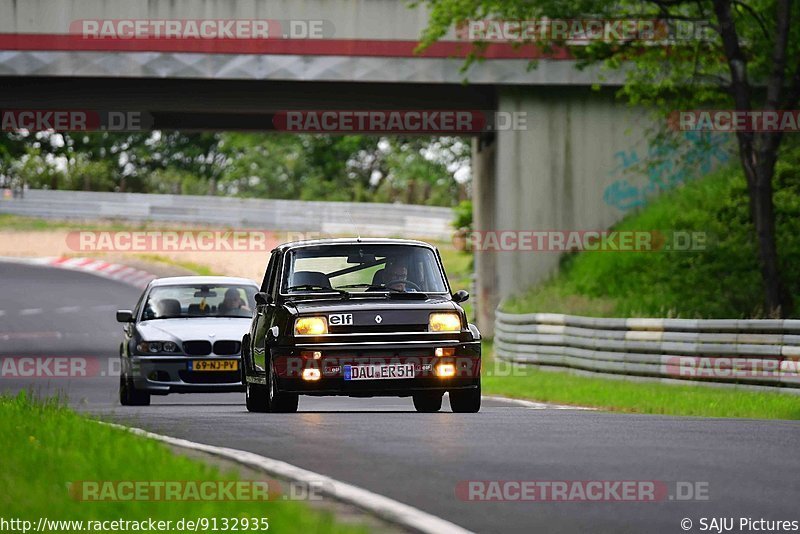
{"x":428,"y":402}
{"x":466,"y":400}
{"x":280,"y":402}
{"x":129,"y":395}
{"x":255,"y":397}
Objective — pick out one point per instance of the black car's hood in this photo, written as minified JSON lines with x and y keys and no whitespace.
{"x":374,"y":314}
{"x":352,"y":305}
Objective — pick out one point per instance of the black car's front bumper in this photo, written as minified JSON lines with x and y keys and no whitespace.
{"x":159,"y":375}
{"x":289,"y":364}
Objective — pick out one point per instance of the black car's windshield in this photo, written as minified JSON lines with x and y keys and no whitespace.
{"x":362,"y":268}
{"x":200,"y":300}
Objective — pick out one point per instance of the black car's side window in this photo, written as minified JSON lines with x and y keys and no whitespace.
{"x":268,"y":284}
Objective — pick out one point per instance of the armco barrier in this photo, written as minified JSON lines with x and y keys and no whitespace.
{"x":752,"y":352}
{"x":345,"y":218}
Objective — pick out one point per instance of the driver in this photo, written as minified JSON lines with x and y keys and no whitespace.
{"x":233,"y":302}
{"x":396,"y":274}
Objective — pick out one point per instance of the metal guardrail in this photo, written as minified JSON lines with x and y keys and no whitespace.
{"x":327,"y":218}
{"x":753,"y":352}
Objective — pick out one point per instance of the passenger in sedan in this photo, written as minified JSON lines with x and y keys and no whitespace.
{"x":233,"y":303}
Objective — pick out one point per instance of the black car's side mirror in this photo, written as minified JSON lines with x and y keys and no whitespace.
{"x":460,"y":296}
{"x":124,"y":316}
{"x":263,"y":299}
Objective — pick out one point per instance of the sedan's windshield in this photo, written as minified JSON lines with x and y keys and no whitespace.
{"x":201,"y":300}
{"x":362,"y":268}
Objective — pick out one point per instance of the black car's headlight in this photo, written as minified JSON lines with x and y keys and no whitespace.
{"x":157,"y":347}
{"x":444,"y":322}
{"x":311,"y":326}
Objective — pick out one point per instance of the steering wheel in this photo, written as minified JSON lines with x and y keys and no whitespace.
{"x":406,"y":282}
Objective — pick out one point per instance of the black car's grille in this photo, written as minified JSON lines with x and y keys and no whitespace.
{"x":215,"y":377}
{"x":197,"y":348}
{"x":377,"y":329}
{"x":227,"y":347}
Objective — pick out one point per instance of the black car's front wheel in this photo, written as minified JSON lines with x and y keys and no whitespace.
{"x":255,"y":396}
{"x":280,"y":402}
{"x":428,"y":402}
{"x":129,"y":395}
{"x":466,"y":400}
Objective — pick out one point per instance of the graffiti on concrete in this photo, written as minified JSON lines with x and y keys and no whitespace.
{"x":666,"y":166}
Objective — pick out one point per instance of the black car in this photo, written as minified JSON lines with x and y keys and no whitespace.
{"x":362,"y":318}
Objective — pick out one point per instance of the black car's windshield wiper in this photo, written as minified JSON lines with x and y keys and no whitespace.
{"x":312,"y":287}
{"x":372,"y":286}
{"x":392,"y":290}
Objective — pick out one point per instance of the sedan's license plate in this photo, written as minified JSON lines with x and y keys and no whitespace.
{"x":379,"y":371}
{"x":213,"y":365}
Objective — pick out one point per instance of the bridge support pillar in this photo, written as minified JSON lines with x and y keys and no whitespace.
{"x":484,"y":207}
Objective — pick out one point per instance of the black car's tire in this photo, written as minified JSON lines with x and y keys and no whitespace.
{"x":466,"y":400}
{"x":285,"y":403}
{"x":255,"y":397}
{"x":428,"y":402}
{"x":278,"y":401}
{"x":129,"y":395}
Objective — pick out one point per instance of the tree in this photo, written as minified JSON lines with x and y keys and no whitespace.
{"x":748,"y":59}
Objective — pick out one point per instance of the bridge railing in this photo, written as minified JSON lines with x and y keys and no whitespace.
{"x":335,"y":218}
{"x":753,"y":352}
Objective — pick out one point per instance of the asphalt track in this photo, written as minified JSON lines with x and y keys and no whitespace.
{"x":750,"y":467}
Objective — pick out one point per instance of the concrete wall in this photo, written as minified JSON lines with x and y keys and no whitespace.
{"x":554,"y":175}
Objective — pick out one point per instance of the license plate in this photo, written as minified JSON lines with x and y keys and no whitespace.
{"x":213,"y":365}
{"x":386,"y":371}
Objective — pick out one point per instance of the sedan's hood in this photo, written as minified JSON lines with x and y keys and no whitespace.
{"x":200,"y":328}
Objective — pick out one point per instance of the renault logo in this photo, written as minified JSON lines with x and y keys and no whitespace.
{"x":378,"y":319}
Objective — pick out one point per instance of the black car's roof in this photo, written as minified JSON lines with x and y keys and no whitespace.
{"x":353,"y":241}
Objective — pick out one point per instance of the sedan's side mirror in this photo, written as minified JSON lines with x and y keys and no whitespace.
{"x":263,"y":299}
{"x":460,"y":296}
{"x":124,"y":316}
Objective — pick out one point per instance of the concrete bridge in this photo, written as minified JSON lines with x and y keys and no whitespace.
{"x":566,"y":170}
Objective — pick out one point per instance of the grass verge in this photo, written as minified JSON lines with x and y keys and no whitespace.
{"x":558,"y":387}
{"x":46,"y":446}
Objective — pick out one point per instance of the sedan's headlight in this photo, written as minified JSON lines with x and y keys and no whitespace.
{"x":444,"y":322}
{"x":310,"y":326}
{"x":156,"y":347}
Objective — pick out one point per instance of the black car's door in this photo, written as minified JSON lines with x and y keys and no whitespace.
{"x":265,"y":314}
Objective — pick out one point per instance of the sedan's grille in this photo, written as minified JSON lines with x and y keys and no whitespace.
{"x":221,"y":377}
{"x":227,"y":347}
{"x":197,"y":348}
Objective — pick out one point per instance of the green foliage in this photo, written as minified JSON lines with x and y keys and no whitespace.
{"x":417,"y":170}
{"x":721,"y":281}
{"x":463,"y":215}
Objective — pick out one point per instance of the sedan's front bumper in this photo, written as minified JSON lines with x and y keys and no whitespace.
{"x":163,"y":375}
